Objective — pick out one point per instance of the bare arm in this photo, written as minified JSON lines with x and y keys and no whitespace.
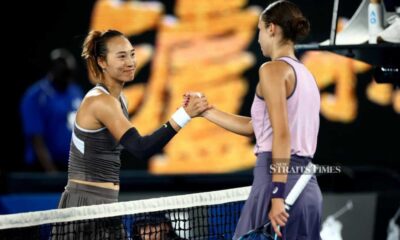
{"x":273,"y":77}
{"x":237,"y":124}
{"x":107,"y":110}
{"x":43,"y":154}
{"x":273,"y":89}
{"x":100,"y":110}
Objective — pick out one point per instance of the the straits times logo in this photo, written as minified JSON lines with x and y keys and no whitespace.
{"x":285,"y":168}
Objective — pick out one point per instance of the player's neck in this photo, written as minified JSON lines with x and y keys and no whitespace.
{"x":113,"y":87}
{"x":283,"y":51}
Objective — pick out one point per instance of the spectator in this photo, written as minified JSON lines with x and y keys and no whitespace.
{"x":48,"y":111}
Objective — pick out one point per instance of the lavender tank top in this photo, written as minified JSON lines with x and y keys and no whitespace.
{"x":303,"y":107}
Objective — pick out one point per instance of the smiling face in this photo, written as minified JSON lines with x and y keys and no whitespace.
{"x":119,"y":63}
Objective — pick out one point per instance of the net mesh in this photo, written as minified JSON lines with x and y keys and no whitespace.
{"x":209,"y":215}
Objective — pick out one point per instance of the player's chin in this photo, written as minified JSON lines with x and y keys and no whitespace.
{"x":265,"y":53}
{"x":128,"y":77}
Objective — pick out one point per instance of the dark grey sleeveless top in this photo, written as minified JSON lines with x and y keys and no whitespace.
{"x":95,"y":154}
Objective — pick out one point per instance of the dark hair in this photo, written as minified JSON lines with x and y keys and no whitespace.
{"x":62,"y":67}
{"x":63,"y":55}
{"x":289,"y":17}
{"x":153,"y":220}
{"x":95,"y":46}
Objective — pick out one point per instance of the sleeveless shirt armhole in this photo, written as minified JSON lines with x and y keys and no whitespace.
{"x":124,"y":101}
{"x":261,"y":98}
{"x":295,"y":77}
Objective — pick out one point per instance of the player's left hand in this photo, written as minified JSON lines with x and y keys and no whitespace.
{"x":278,"y":215}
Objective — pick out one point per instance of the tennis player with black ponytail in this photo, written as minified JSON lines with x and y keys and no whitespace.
{"x":285,"y":122}
{"x":102,"y":127}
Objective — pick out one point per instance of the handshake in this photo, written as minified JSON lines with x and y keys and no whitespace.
{"x":195,"y":104}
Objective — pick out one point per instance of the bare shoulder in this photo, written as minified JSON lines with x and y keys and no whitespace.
{"x":274,"y":71}
{"x":96,"y":100}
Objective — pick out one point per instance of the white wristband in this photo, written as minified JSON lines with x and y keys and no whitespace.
{"x":181,"y":117}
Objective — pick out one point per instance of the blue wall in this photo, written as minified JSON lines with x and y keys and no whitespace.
{"x":17,"y":203}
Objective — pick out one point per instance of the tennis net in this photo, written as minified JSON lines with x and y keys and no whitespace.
{"x":208,"y":215}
